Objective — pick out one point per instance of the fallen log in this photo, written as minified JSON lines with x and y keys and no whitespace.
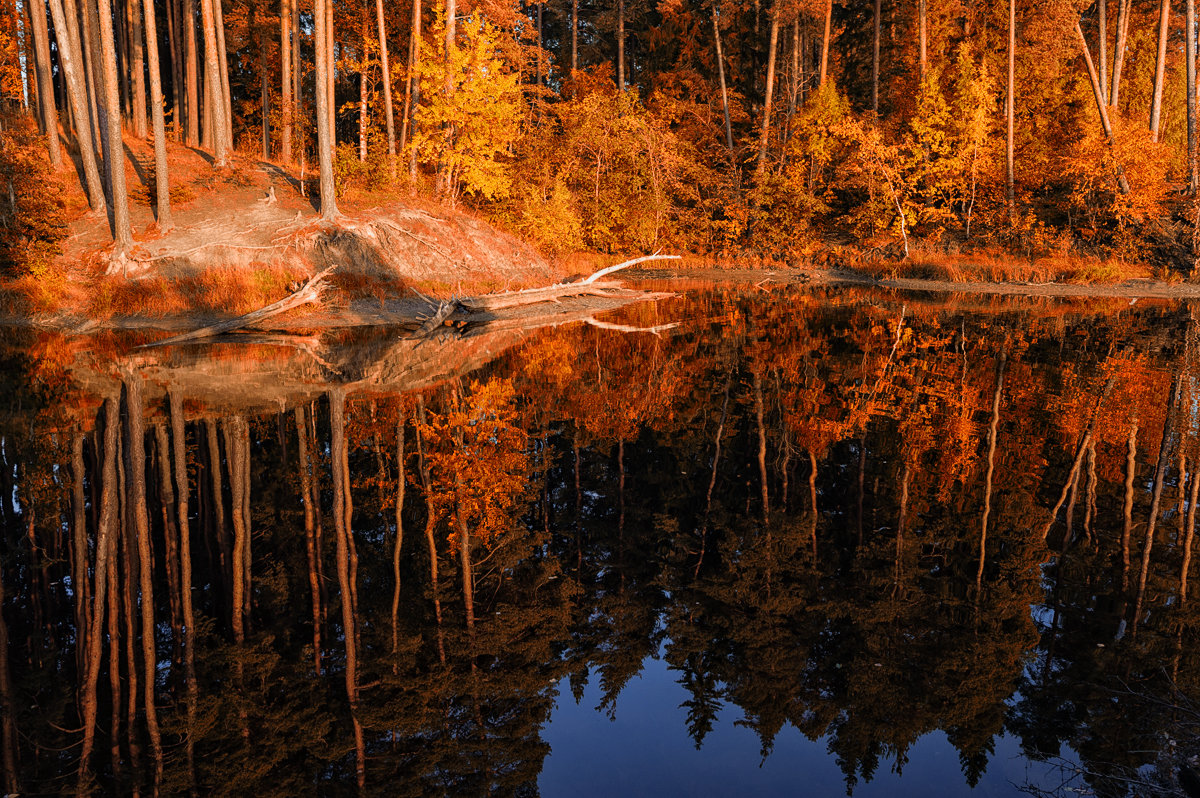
{"x":309,"y":292}
{"x":529,"y":296}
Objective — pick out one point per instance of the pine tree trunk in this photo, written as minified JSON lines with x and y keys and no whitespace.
{"x":214,"y":102}
{"x":324,"y":140}
{"x":72,"y":68}
{"x":1008,"y":105}
{"x":1102,"y":54}
{"x":922,"y":36}
{"x":175,"y":47}
{"x":1119,"y":52}
{"x":121,"y":230}
{"x":223,"y":63}
{"x":825,"y":43}
{"x":137,"y":65}
{"x":412,"y":91}
{"x":1108,"y":131}
{"x":721,"y":77}
{"x":45,"y":95}
{"x":445,"y":178}
{"x":1190,"y":56}
{"x":764,"y":138}
{"x":162,"y":186}
{"x":575,"y":36}
{"x":191,"y":74}
{"x":362,"y":89}
{"x":331,"y":64}
{"x":385,"y":68}
{"x":875,"y":57}
{"x":1160,"y":68}
{"x":620,"y":45}
{"x":285,"y":79}
{"x":264,"y":81}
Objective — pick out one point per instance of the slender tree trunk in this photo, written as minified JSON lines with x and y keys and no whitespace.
{"x":214,"y":98}
{"x":766,"y":123}
{"x":1189,"y":536}
{"x":121,"y":229}
{"x":827,"y":31}
{"x":175,"y":48}
{"x":1130,"y":470}
{"x":575,"y":37}
{"x":223,"y":63}
{"x":385,"y":68}
{"x":285,"y":79}
{"x":72,"y":69}
{"x":1102,"y":53}
{"x":162,"y":186}
{"x":307,"y":494}
{"x":762,"y":443}
{"x":49,"y":113}
{"x":1009,"y":105}
{"x":179,"y":455}
{"x":620,"y":45}
{"x":79,"y":548}
{"x":812,"y":500}
{"x":191,"y":74}
{"x":1119,"y":52}
{"x":1122,"y":183}
{"x":430,"y":526}
{"x":331,"y":64}
{"x":1190,"y":57}
{"x":875,"y":57}
{"x":264,"y":91}
{"x":362,"y":89}
{"x":412,"y":91}
{"x":1160,"y":471}
{"x":720,"y":70}
{"x":324,"y":127}
{"x":922,"y":36}
{"x":137,"y":65}
{"x":1160,"y":69}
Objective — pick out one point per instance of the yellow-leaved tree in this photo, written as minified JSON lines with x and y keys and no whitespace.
{"x":467,"y":132}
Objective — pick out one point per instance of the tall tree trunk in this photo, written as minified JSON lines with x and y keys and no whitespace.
{"x":72,"y":68}
{"x":162,"y":186}
{"x":285,"y":79}
{"x":766,"y":123}
{"x":1190,"y":57}
{"x":620,"y":45}
{"x":45,"y":96}
{"x":1160,"y":67}
{"x":264,"y":91}
{"x":412,"y":91}
{"x":1119,"y":52}
{"x":331,"y":63}
{"x":191,"y":74}
{"x":1102,"y":53}
{"x":575,"y":37}
{"x":1122,"y":183}
{"x":362,"y":88}
{"x":214,"y":99}
{"x":223,"y":63}
{"x":720,"y":71}
{"x":137,"y":48}
{"x":922,"y":36}
{"x":121,"y":229}
{"x":385,"y":68}
{"x":826,"y":33}
{"x":877,"y":20}
{"x":1008,"y":105}
{"x":176,"y":48}
{"x":444,"y":176}
{"x":324,"y":139}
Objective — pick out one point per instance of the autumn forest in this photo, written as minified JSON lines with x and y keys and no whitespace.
{"x":773,"y":130}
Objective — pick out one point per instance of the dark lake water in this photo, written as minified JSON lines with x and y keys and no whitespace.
{"x":790,"y":542}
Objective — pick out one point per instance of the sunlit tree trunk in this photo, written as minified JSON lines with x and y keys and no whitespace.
{"x":412,"y":91}
{"x":285,"y":79}
{"x":175,"y":48}
{"x":1008,"y":105}
{"x":191,"y":74}
{"x":1100,"y":106}
{"x":214,"y":97}
{"x":49,"y":113}
{"x":1102,"y":50}
{"x":325,"y":142}
{"x":162,"y":186}
{"x":1160,"y":69}
{"x":876,"y":29}
{"x":720,"y":71}
{"x":385,"y":68}
{"x":827,"y":31}
{"x":223,"y":63}
{"x":1119,"y":52}
{"x":620,"y":45}
{"x":119,"y":198}
{"x":1190,"y":58}
{"x":137,"y":67}
{"x":922,"y":37}
{"x":362,"y":88}
{"x":574,"y":37}
{"x":766,"y":123}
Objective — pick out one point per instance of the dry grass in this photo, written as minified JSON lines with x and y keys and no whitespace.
{"x":218,"y":292}
{"x":995,"y":266}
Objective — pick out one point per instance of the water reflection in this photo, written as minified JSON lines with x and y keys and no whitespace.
{"x":363,"y":564}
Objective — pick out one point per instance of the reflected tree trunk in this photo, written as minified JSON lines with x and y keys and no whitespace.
{"x":991,"y":467}
{"x":179,"y":454}
{"x":762,"y":444}
{"x":1130,"y":471}
{"x":8,"y":708}
{"x":430,"y":526}
{"x":399,"y":533}
{"x":1160,"y":471}
{"x":307,"y":496}
{"x":1189,"y":534}
{"x":812,"y":500}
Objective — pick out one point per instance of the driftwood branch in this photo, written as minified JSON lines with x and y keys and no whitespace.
{"x":529,"y":296}
{"x":310,"y":292}
{"x":626,"y":328}
{"x":627,"y":264}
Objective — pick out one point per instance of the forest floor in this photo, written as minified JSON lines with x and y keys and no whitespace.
{"x":249,"y":235}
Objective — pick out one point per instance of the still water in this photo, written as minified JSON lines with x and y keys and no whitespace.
{"x":787,"y":542}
